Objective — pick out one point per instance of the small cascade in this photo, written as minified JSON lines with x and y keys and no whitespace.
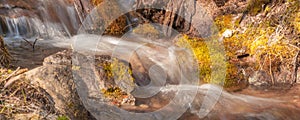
{"x":18,"y":27}
{"x":62,"y":15}
{"x":49,"y":18}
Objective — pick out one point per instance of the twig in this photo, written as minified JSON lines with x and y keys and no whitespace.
{"x":142,"y":17}
{"x":294,"y":46}
{"x":295,"y":67}
{"x":129,"y":25}
{"x":33,"y":45}
{"x":11,"y":81}
{"x":27,"y":42}
{"x":12,"y":74}
{"x":271,"y":72}
{"x":13,"y":93}
{"x":14,"y":79}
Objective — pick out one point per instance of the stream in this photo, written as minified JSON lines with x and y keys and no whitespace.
{"x":55,"y":25}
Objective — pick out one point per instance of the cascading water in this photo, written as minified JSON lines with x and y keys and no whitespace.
{"x":21,"y":27}
{"x":47,"y":18}
{"x":204,"y":101}
{"x":60,"y":18}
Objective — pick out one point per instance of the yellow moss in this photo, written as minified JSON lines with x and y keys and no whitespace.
{"x":113,"y":92}
{"x":9,"y":71}
{"x":295,"y":14}
{"x":224,"y":22}
{"x":106,"y":67}
{"x":262,"y":41}
{"x":256,"y":6}
{"x":147,"y":30}
{"x":209,"y":60}
{"x":120,"y":71}
{"x":117,"y":71}
{"x":74,"y":67}
{"x":201,"y":53}
{"x":96,"y":2}
{"x":117,"y":27}
{"x":268,"y":9}
{"x":296,"y":21}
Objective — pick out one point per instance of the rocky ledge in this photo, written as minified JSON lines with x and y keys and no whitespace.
{"x":56,"y":78}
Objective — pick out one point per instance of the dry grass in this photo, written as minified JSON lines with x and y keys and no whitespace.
{"x":22,"y":97}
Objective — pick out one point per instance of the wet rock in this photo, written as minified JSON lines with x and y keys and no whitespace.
{"x":83,"y":7}
{"x":56,"y":77}
{"x":60,"y":58}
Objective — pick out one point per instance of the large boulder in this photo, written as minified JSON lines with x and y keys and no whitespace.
{"x":55,"y":76}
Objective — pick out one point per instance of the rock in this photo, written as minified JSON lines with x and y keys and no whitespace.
{"x":228,"y":33}
{"x":260,"y":79}
{"x":144,"y":106}
{"x":2,"y":117}
{"x":55,"y":76}
{"x":60,"y":58}
{"x":130,"y":100}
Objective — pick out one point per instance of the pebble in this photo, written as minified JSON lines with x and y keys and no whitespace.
{"x":144,"y":106}
{"x":228,"y":33}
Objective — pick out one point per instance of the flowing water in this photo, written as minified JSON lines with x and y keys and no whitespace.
{"x":173,"y":76}
{"x":176,"y":84}
{"x":205,"y":101}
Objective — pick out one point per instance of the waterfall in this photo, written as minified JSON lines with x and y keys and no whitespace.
{"x":50,"y":18}
{"x":20,"y":27}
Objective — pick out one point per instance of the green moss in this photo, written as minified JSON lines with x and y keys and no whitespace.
{"x":62,"y":118}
